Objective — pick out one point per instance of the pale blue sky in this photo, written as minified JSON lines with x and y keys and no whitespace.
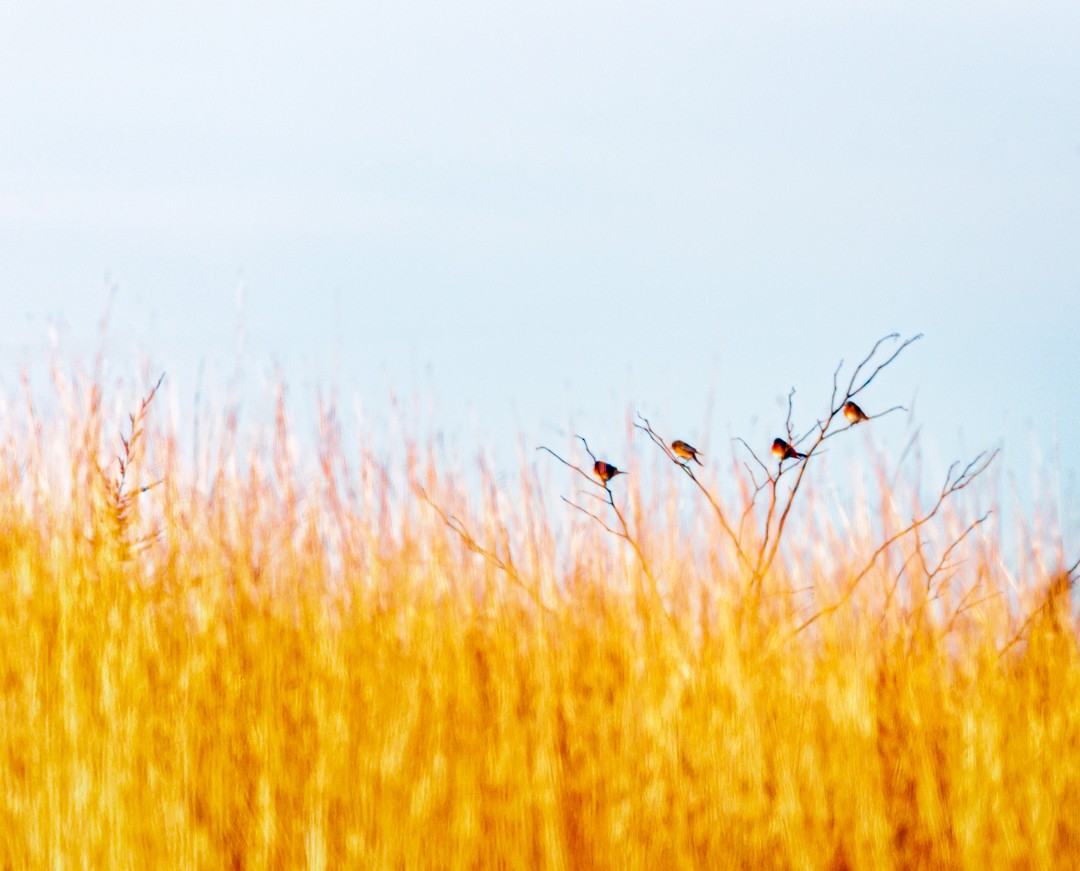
{"x":550,"y":212}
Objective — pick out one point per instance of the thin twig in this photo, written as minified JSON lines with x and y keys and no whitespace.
{"x":647,"y":428}
{"x":953,"y":484}
{"x":506,"y":565}
{"x":816,"y":436}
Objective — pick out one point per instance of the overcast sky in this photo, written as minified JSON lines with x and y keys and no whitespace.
{"x":545,"y":214}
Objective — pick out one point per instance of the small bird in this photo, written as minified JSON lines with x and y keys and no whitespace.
{"x":687,"y":452}
{"x":605,"y":471}
{"x":783,"y":451}
{"x":853,"y":413}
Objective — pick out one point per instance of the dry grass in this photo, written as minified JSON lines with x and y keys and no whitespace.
{"x":271,"y":668}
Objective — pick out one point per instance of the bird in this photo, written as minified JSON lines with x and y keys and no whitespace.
{"x":853,"y":413}
{"x":687,"y":452}
{"x":783,"y":451}
{"x":605,"y":471}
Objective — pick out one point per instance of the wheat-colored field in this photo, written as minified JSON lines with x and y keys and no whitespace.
{"x":337,"y":660}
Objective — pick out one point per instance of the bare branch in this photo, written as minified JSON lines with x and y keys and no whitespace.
{"x":836,"y":383}
{"x":877,"y":370}
{"x":764,"y":563}
{"x":865,"y":360}
{"x":656,"y":439}
{"x":577,"y":469}
{"x":757,"y":459}
{"x":624,"y":528}
{"x":836,"y":403}
{"x":966,"y":606}
{"x":854,"y":391}
{"x":815,"y":436}
{"x":647,"y":428}
{"x":588,"y":450}
{"x":1060,"y":585}
{"x":952,"y":485}
{"x":750,"y":475}
{"x":506,"y":565}
{"x":885,"y":412}
{"x":948,"y":551}
{"x":595,"y":517}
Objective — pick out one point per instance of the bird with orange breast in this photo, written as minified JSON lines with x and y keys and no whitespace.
{"x":605,"y":471}
{"x":783,"y":451}
{"x":685,"y":451}
{"x":853,"y":413}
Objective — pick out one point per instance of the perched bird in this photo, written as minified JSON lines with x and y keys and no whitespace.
{"x":605,"y":471}
{"x":853,"y":413}
{"x":783,"y":451}
{"x":687,"y":452}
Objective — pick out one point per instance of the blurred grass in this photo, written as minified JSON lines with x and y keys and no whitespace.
{"x":281,"y":669}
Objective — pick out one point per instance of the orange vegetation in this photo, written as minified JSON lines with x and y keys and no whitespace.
{"x":281,"y":664}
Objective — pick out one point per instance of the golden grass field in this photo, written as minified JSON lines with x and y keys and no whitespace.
{"x":280,"y":661}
